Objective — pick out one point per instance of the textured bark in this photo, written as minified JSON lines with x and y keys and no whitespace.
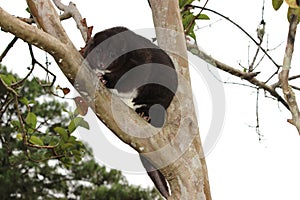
{"x":287,"y":90}
{"x":187,"y":175}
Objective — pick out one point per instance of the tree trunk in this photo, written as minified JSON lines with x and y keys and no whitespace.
{"x":188,"y":175}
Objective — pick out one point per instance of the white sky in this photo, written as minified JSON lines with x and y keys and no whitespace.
{"x":240,"y":167}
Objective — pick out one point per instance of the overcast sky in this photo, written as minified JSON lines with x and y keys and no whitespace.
{"x":240,"y":166}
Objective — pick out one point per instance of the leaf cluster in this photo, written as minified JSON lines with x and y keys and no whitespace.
{"x":189,"y":17}
{"x":38,"y":120}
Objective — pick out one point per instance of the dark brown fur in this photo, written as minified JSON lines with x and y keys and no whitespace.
{"x":130,"y":62}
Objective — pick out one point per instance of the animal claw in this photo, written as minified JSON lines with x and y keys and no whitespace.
{"x":147,"y":118}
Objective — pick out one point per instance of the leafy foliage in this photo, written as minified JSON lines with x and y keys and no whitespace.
{"x":189,"y":17}
{"x":33,"y":121}
{"x":39,"y":155}
{"x":293,"y":9}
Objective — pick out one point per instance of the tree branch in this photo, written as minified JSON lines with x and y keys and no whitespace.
{"x":83,"y":79}
{"x":249,"y":76}
{"x":289,"y":94}
{"x":42,"y":40}
{"x":239,"y":27}
{"x":187,"y":175}
{"x":72,"y":11}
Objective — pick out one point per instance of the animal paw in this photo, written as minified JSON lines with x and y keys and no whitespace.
{"x":147,"y":118}
{"x":101,"y":78}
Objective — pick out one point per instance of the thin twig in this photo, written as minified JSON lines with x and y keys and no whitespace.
{"x":9,"y":46}
{"x":229,"y":82}
{"x":257,"y":127}
{"x":34,"y":61}
{"x":22,"y":125}
{"x":194,"y":19}
{"x":239,"y":27}
{"x":250,"y":77}
{"x":9,"y":88}
{"x":278,"y":84}
{"x":295,"y":87}
{"x":260,"y":35}
{"x":40,"y":146}
{"x":251,"y":66}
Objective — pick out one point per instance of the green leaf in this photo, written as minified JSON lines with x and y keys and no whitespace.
{"x":24,"y":101}
{"x":31,"y":121}
{"x":203,"y":17}
{"x":277,"y":4}
{"x":187,"y":18}
{"x":72,"y":140}
{"x":77,"y":153}
{"x":19,"y":136}
{"x":78,"y":159}
{"x":72,"y":126}
{"x":62,"y":132}
{"x":183,"y":3}
{"x":15,"y":123}
{"x":76,"y":122}
{"x":48,"y":154}
{"x":67,"y":146}
{"x":8,"y":79}
{"x":54,"y":141}
{"x":47,"y":139}
{"x":36,"y":140}
{"x":27,"y":10}
{"x":84,"y":124}
{"x":191,"y":32}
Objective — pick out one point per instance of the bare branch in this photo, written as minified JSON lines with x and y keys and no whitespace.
{"x":40,"y":147}
{"x":251,"y":66}
{"x":294,"y":77}
{"x":278,"y":84}
{"x":295,"y":87}
{"x":65,"y":54}
{"x":257,"y":127}
{"x":34,"y":61}
{"x":250,"y":77}
{"x":72,"y":11}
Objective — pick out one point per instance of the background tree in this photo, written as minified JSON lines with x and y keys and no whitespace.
{"x":32,"y":172}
